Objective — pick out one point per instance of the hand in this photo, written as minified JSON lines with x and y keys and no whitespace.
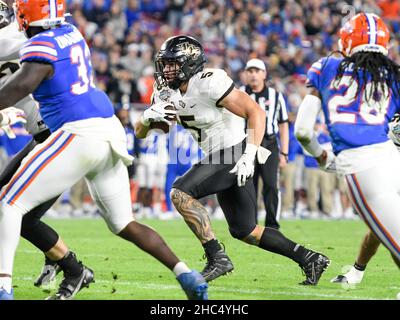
{"x":283,"y":160}
{"x":11,"y":116}
{"x":159,"y":112}
{"x":244,"y":167}
{"x":6,"y":14}
{"x":327,"y":162}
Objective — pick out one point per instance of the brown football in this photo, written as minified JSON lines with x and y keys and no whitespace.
{"x":162,"y":125}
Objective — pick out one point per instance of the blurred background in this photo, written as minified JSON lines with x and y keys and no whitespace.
{"x":288,"y":36}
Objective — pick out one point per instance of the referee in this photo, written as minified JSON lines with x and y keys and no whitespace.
{"x":276,"y":123}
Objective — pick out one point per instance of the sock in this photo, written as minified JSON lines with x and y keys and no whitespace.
{"x":212,"y":247}
{"x":49,"y":262}
{"x":180,"y":268}
{"x":10,"y":228}
{"x":5,"y":283}
{"x":274,"y":241}
{"x":70,"y":265}
{"x":359,"y":267}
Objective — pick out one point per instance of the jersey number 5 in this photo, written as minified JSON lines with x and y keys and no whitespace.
{"x":185,"y":123}
{"x":78,"y":58}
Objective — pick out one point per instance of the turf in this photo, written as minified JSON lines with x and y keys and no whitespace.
{"x":124,"y":272}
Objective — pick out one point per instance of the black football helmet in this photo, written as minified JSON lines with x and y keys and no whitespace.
{"x":187,"y":53}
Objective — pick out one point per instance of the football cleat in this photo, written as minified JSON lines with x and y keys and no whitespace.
{"x":4,"y":295}
{"x":194,"y":285}
{"x":314,"y":268}
{"x":47,"y":278}
{"x":354,"y":276}
{"x":71,"y":285}
{"x":217,"y":265}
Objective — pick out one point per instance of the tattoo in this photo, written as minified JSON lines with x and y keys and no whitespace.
{"x":250,"y":239}
{"x":194,"y":214}
{"x":255,"y":236}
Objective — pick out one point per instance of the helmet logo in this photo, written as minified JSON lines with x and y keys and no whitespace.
{"x":189,"y":49}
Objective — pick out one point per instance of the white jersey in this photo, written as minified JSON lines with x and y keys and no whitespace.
{"x":11,"y":40}
{"x":213,"y":126}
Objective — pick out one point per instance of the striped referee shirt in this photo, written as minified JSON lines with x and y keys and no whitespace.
{"x":274,"y":105}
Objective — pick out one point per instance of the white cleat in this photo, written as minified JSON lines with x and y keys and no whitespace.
{"x":354,"y":276}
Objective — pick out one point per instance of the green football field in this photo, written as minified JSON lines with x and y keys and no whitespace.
{"x":124,"y":272}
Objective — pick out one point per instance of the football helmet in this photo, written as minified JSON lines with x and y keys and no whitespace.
{"x":39,"y":13}
{"x":364,"y":32}
{"x":188,"y":56}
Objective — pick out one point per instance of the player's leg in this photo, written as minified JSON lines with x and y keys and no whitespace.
{"x":34,"y":184}
{"x":109,"y":187}
{"x":238,"y":204}
{"x":37,"y":232}
{"x":202,"y":180}
{"x":368,"y":248}
{"x":269,"y":174}
{"x":375,"y":194}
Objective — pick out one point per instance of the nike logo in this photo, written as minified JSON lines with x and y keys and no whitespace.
{"x":192,"y":106}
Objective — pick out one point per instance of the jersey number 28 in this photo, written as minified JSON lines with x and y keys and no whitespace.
{"x":372,"y":112}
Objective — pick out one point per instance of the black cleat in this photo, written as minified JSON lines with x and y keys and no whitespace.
{"x":47,"y":278}
{"x":314,"y":267}
{"x":217,"y":265}
{"x":71,"y":285}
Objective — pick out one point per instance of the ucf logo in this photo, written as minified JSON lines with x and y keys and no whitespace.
{"x":190,"y":50}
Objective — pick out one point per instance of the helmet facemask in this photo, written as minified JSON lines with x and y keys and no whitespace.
{"x":186,"y":54}
{"x":172,"y":78}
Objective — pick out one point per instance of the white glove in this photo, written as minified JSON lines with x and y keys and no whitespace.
{"x":11,"y":116}
{"x":158,"y":113}
{"x":244,"y":167}
{"x":330,"y":163}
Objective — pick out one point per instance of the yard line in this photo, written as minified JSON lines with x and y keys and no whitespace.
{"x":150,"y":286}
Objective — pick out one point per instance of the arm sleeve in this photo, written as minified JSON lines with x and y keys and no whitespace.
{"x":314,"y":74}
{"x":39,"y":50}
{"x":283,"y":113}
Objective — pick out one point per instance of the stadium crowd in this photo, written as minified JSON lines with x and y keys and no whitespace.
{"x":288,"y":35}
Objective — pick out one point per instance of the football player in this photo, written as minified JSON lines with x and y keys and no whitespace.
{"x":57,"y":255}
{"x":87,"y":140}
{"x":370,"y":243}
{"x":359,"y":94}
{"x":213,"y":110}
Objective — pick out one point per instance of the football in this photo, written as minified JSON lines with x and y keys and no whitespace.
{"x":164,"y":127}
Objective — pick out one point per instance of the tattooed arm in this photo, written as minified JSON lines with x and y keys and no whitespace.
{"x":194,"y":214}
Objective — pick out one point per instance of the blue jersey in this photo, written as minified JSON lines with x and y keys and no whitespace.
{"x":353,"y":120}
{"x":70,"y":94}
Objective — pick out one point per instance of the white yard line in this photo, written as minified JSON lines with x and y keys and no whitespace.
{"x":149,"y":286}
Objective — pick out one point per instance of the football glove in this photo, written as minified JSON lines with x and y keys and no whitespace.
{"x":6,"y":14}
{"x":244,"y":168}
{"x":158,"y":112}
{"x":10,"y":116}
